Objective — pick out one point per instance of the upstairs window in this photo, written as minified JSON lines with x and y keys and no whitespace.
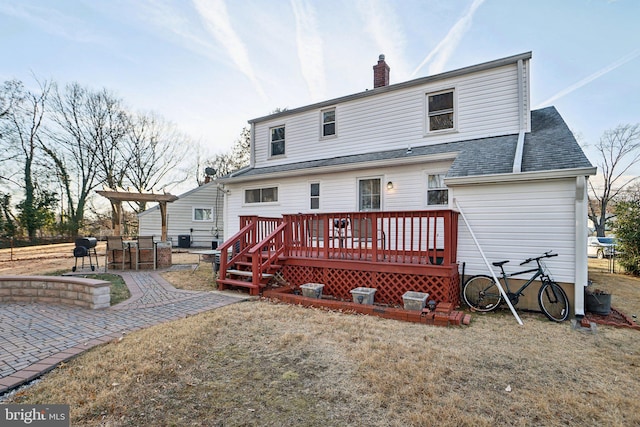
{"x":203,"y":214}
{"x":437,"y":192}
{"x":261,"y":195}
{"x":329,"y":123}
{"x":440,"y":111}
{"x":314,"y":195}
{"x":277,"y":141}
{"x":369,"y":194}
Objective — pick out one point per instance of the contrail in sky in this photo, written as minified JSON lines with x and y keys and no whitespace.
{"x":382,"y":24}
{"x":633,"y":55}
{"x":215,"y":15}
{"x":309,"y":45}
{"x":445,"y":48}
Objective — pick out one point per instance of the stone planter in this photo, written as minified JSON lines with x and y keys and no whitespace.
{"x":363,"y":295}
{"x":312,"y":290}
{"x":414,"y":300}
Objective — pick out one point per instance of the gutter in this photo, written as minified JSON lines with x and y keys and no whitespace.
{"x":522,"y":176}
{"x":232,"y":179}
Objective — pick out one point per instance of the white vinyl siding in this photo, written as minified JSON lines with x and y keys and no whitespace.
{"x":517,"y":221}
{"x":486,"y":103}
{"x":180,"y":217}
{"x":293,"y":193}
{"x":511,"y":221}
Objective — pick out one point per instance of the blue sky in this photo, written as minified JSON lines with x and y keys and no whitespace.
{"x":211,"y":65}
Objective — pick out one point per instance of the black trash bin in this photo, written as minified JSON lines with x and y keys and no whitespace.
{"x":184,"y":241}
{"x":216,"y":263}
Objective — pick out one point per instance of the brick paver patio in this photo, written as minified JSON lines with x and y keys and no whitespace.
{"x":35,"y":338}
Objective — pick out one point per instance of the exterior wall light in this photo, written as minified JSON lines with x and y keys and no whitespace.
{"x":389,"y":185}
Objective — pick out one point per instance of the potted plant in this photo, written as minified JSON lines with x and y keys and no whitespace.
{"x":598,"y":301}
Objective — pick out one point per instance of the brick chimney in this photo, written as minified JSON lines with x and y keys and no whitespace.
{"x":380,"y":73}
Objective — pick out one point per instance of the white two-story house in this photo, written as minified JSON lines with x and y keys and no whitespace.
{"x":397,"y":156}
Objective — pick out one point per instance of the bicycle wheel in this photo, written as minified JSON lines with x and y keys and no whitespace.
{"x":553,"y":302}
{"x":481,"y":293}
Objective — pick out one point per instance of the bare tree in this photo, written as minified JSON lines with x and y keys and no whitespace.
{"x":72,"y":149}
{"x":238,"y":157}
{"x":24,"y":132}
{"x":619,"y":150}
{"x":155,"y":150}
{"x":89,"y":135}
{"x":12,"y":95}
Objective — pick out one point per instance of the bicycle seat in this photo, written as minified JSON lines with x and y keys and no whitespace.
{"x":499,"y":263}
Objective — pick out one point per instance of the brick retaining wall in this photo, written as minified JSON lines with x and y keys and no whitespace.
{"x":76,"y":291}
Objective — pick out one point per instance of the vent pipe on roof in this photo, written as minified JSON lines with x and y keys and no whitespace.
{"x":380,"y":73}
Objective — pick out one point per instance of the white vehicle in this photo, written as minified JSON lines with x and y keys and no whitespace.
{"x":601,"y":247}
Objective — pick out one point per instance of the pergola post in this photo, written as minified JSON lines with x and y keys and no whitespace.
{"x":163,"y":217}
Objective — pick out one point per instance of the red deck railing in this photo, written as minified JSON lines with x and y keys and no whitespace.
{"x":407,"y":237}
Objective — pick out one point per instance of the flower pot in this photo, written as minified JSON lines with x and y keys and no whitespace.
{"x":363,"y":295}
{"x":598,"y":303}
{"x":414,"y":300}
{"x":312,"y":290}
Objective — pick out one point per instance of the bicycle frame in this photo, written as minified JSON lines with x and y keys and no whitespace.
{"x":539,"y":272}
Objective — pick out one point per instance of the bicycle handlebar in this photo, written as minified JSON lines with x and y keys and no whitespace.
{"x":547,"y":254}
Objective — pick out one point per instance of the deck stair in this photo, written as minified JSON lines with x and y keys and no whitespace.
{"x":242,"y":276}
{"x":251,"y":258}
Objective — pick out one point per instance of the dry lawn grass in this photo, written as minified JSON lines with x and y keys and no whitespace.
{"x":260,"y":363}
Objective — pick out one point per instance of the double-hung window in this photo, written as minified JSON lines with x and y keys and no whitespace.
{"x":369,"y":194}
{"x":437,"y":192}
{"x":261,"y":195}
{"x":314,"y":192}
{"x":328,"y":123}
{"x":276,"y":135}
{"x":440,"y":111}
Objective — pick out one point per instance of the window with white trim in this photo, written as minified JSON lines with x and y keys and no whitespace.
{"x":328,"y":122}
{"x":276,"y":135}
{"x":261,"y":195}
{"x":437,"y":192}
{"x":440,"y":111}
{"x":314,"y":195}
{"x":369,"y":195}
{"x":203,"y":214}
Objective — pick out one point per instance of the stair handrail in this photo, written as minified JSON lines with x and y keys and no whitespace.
{"x":274,"y":245}
{"x":240,"y":236}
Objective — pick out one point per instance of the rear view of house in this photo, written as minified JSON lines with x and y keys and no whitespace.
{"x":365,"y":190}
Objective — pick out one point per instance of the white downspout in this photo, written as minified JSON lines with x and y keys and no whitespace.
{"x":252,"y":146}
{"x":582,"y":268}
{"x":504,"y":295}
{"x":517,"y":159}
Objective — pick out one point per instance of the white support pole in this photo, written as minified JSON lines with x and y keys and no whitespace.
{"x":504,"y":295}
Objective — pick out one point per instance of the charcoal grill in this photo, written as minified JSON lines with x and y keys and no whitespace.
{"x":85,"y":247}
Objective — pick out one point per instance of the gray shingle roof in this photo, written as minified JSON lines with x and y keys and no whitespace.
{"x":549,"y":146}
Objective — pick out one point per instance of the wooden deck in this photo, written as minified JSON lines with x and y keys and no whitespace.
{"x":394,"y":252}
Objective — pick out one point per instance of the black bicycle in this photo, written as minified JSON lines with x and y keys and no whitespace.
{"x":482,"y":294}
